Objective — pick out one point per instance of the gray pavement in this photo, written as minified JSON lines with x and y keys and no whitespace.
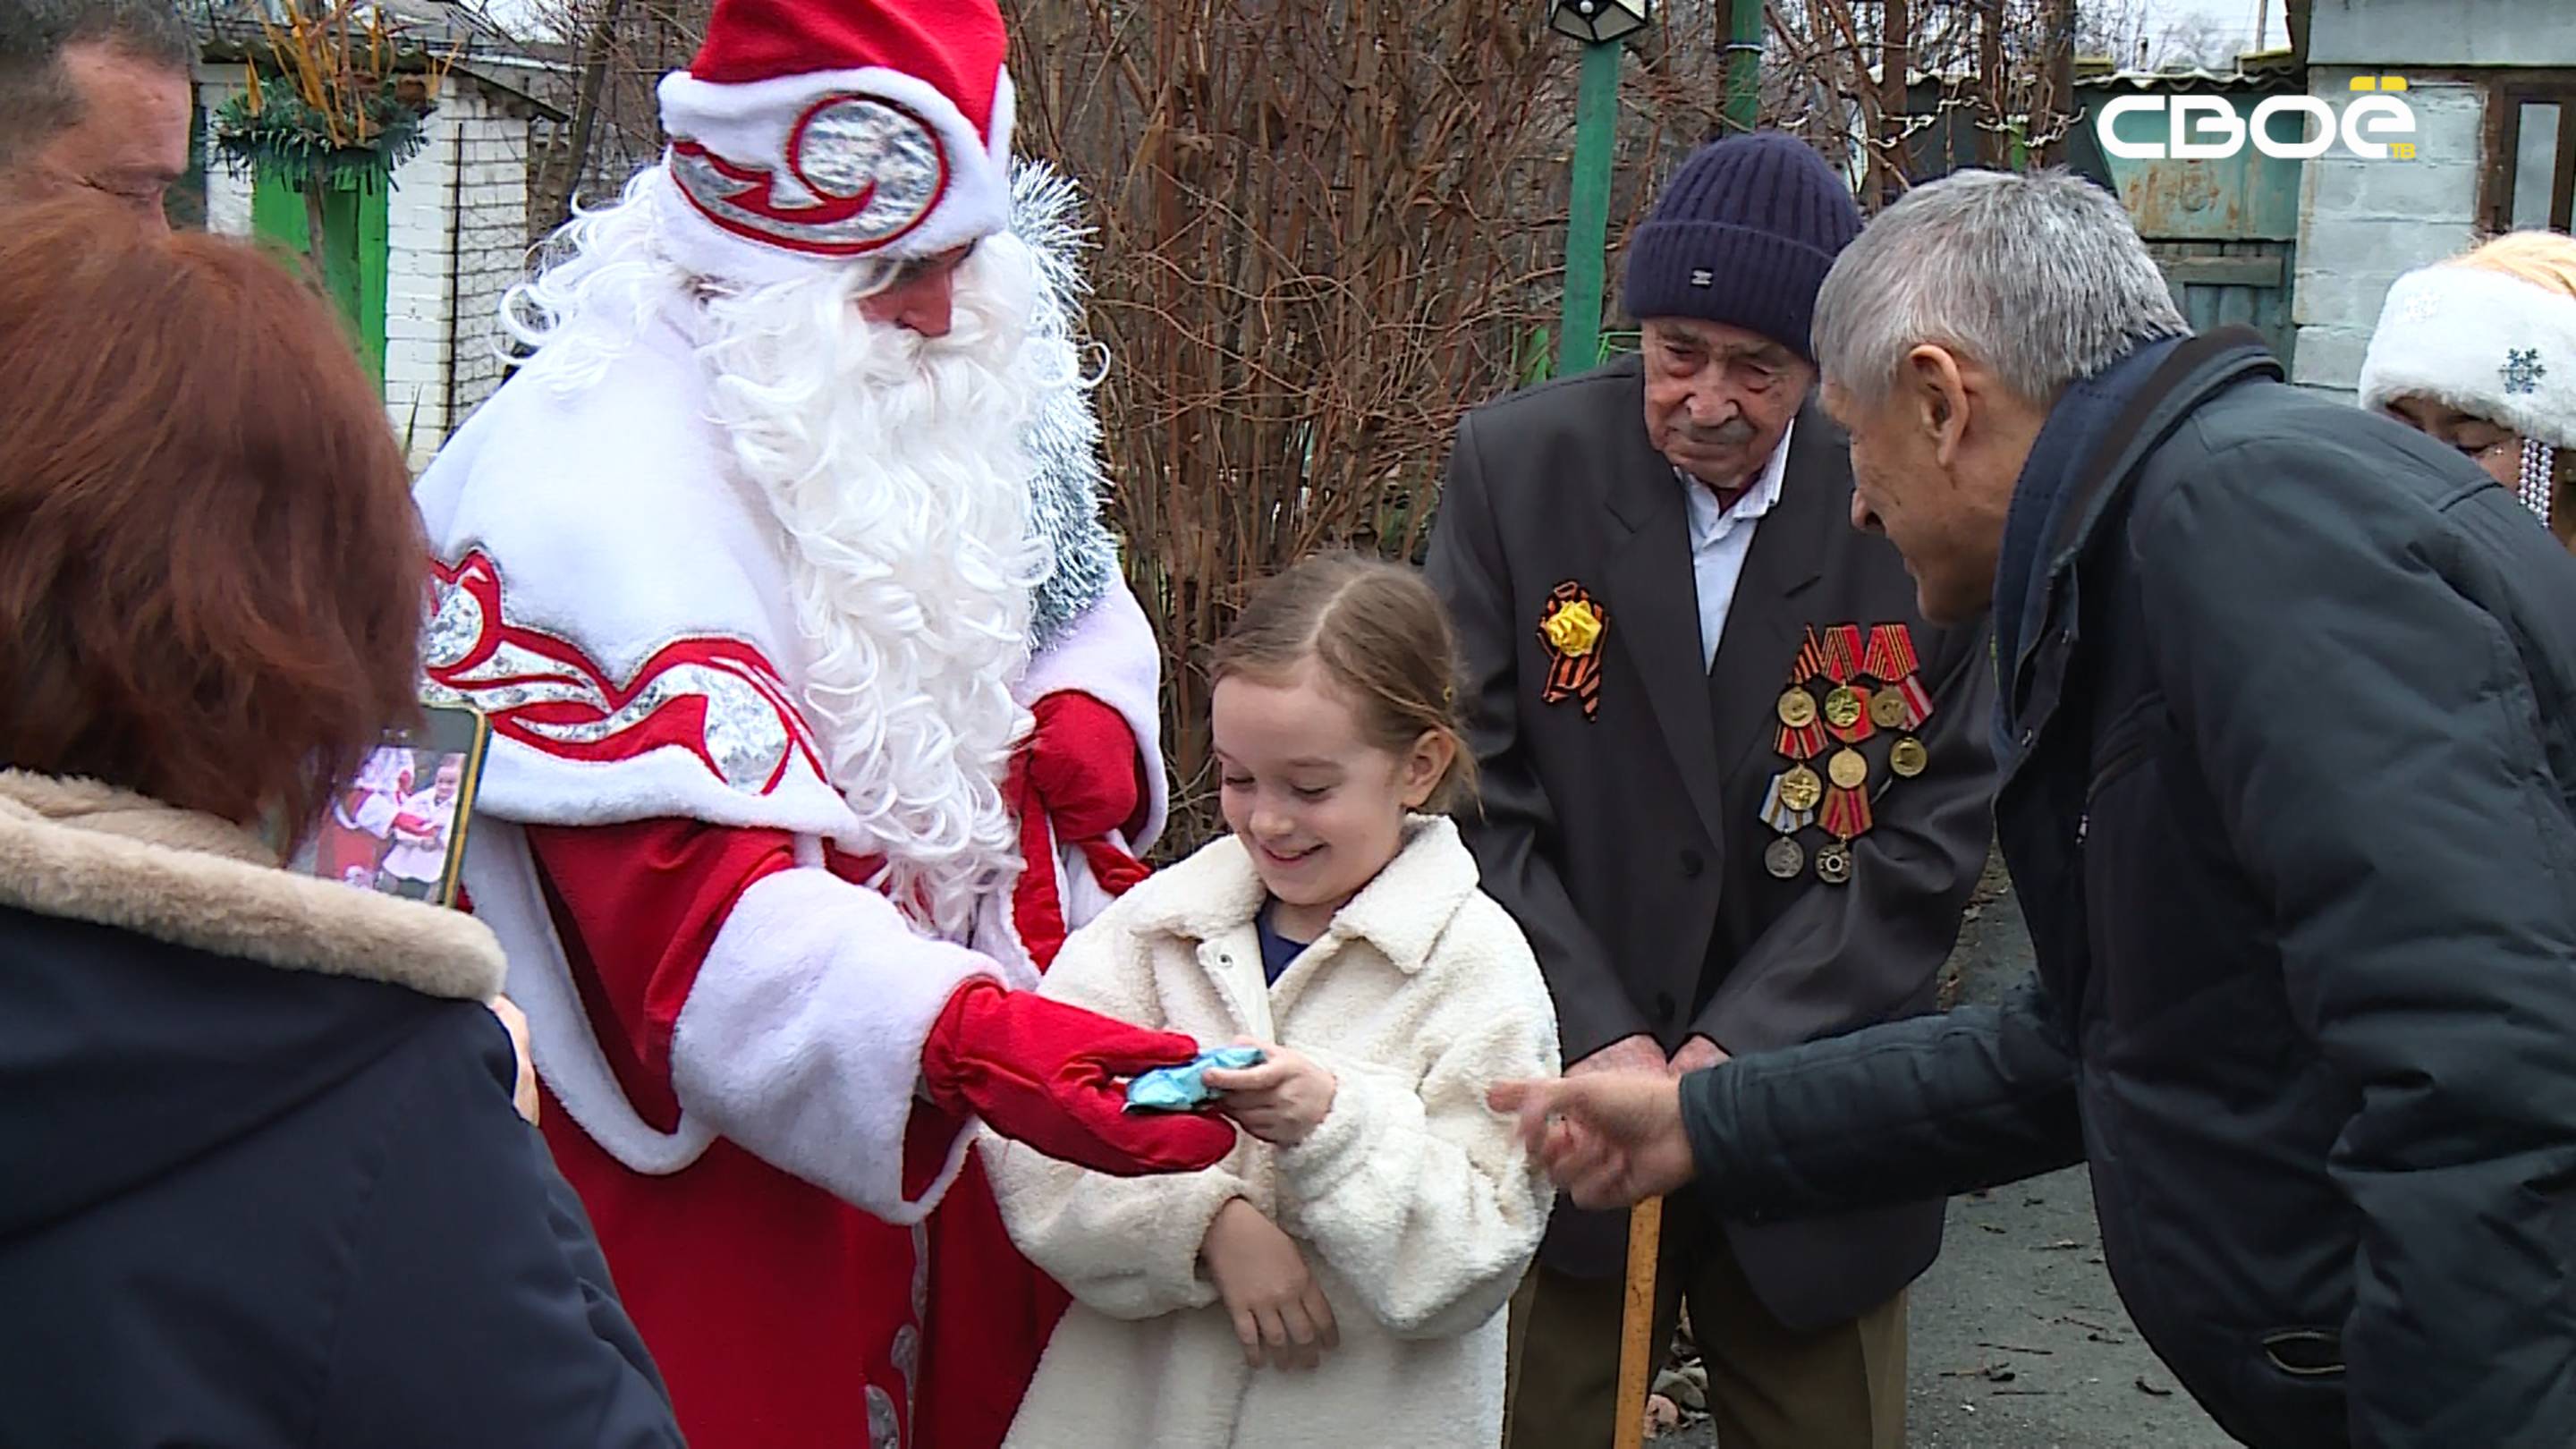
{"x":2019,"y":1341}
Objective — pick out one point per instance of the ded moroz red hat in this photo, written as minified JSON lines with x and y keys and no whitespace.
{"x":807,"y":131}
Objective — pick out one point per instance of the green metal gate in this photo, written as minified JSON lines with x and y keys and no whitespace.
{"x":2218,"y":283}
{"x":356,"y":265}
{"x":2226,"y":230}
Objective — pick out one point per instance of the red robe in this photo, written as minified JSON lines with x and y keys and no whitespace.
{"x":764,"y":1297}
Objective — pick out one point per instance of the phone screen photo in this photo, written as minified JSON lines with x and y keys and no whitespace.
{"x":399,"y":827}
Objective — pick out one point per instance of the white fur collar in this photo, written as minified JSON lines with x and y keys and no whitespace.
{"x":87,"y":852}
{"x":2492,"y":346}
{"x":1403,"y":912}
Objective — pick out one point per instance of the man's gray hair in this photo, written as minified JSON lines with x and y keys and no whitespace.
{"x":36,"y":98}
{"x":2041,"y":278}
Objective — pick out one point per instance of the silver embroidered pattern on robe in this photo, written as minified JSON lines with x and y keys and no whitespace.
{"x":745,"y":730}
{"x":847,"y":149}
{"x":884,"y":1432}
{"x":453,"y":627}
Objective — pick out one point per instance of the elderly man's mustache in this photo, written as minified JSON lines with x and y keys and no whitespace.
{"x":1731,"y":433}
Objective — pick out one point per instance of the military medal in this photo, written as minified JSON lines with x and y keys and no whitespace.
{"x":1845,"y":810}
{"x":1802,"y":737}
{"x":1791,"y":803}
{"x":1848,"y":769}
{"x":1788,"y":808}
{"x":1834,"y":863}
{"x":1858,"y":727}
{"x":1784,"y":859}
{"x":1847,"y":685}
{"x":1890,"y":659}
{"x":1842,"y":707}
{"x":1800,"y":789}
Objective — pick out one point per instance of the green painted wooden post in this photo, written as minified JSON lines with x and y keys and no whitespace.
{"x":1744,"y":64}
{"x":1587,"y":234}
{"x":357,"y":264}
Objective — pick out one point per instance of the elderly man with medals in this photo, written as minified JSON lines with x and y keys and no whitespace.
{"x":1736,"y":790}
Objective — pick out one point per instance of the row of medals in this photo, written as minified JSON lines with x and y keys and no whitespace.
{"x":1848,"y":768}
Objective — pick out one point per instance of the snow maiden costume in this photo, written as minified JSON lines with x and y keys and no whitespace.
{"x":2494,"y":345}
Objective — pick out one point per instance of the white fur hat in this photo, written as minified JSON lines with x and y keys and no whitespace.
{"x":2490,"y":345}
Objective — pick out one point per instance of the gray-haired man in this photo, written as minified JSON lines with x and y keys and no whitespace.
{"x":2286,"y":724}
{"x":94,"y":94}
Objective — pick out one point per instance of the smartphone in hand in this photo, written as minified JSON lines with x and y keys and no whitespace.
{"x":399,"y":827}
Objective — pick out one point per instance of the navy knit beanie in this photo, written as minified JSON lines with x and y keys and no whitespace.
{"x":1743,"y":235}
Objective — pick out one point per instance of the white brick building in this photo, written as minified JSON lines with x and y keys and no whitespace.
{"x":2493,"y":89}
{"x":455,"y":236}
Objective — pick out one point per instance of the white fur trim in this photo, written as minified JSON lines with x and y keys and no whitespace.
{"x":594,"y":506}
{"x":802,"y":1038}
{"x":86,"y":852}
{"x":2445,"y":333}
{"x":1110,"y":654}
{"x":1083,"y":895}
{"x":749,"y":125}
{"x":501,"y":876}
{"x":1006,"y":114}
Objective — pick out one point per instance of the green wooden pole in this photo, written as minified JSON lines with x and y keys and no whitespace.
{"x":1587,"y":233}
{"x":1744,"y":64}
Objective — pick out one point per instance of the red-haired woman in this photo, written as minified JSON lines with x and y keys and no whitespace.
{"x":265,"y":1181}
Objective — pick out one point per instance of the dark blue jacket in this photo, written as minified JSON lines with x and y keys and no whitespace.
{"x":248,"y":1206}
{"x":2290,"y":804}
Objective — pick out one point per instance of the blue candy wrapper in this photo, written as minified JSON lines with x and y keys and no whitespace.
{"x":1184,"y":1088}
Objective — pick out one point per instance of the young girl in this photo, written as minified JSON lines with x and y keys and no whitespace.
{"x":1340,"y":1279}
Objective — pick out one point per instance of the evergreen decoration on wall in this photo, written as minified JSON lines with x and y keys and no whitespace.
{"x":325,"y":108}
{"x":282,"y":136}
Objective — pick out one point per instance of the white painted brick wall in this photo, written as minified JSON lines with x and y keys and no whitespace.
{"x":2363,"y":223}
{"x":457,"y":223}
{"x":227,"y":195}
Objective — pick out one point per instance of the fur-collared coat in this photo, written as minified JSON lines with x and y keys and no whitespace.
{"x":264,"y":1181}
{"x":1415,"y":1207}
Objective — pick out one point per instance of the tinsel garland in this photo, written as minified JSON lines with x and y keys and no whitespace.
{"x":1064,"y":504}
{"x":280,"y":135}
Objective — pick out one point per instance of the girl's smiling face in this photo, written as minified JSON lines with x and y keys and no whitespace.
{"x":1318,"y":803}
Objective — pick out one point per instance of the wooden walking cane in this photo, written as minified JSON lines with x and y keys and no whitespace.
{"x":1637,"y":1347}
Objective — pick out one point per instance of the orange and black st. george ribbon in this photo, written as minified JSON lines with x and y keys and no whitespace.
{"x":1574,"y":675}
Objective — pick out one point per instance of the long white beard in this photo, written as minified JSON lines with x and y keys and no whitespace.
{"x":898,"y":470}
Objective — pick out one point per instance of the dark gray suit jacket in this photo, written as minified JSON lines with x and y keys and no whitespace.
{"x":1629,"y":846}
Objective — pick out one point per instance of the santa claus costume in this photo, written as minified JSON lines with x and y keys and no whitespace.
{"x":818,"y":714}
{"x":354,"y":837}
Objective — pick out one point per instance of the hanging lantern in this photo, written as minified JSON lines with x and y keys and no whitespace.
{"x":1596,"y":22}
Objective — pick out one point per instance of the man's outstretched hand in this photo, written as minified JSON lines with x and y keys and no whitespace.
{"x":1608,"y":1138}
{"x":1050,"y":1075}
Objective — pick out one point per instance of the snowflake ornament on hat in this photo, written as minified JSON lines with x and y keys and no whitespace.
{"x":815,"y":131}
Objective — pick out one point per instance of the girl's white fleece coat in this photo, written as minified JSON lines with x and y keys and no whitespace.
{"x":1415,"y":1207}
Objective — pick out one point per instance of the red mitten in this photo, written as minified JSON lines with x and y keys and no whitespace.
{"x":1076,"y":779}
{"x":1081,"y":760}
{"x":1046,"y":1074}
